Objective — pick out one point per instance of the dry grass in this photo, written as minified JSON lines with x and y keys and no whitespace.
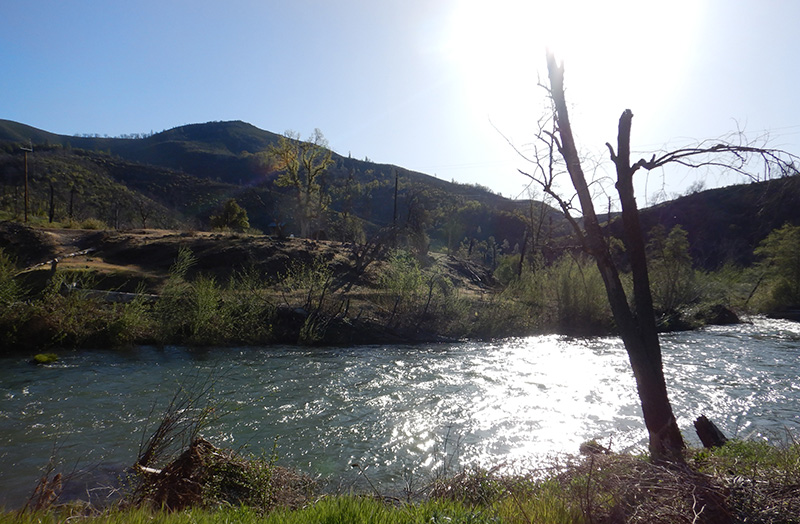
{"x":206,"y":476}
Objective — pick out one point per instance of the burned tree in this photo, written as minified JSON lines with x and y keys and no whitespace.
{"x":556,"y":153}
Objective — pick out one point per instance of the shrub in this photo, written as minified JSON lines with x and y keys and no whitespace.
{"x":231,"y":216}
{"x":250,"y":311}
{"x":672,"y":279}
{"x":507,"y":269}
{"x":780,"y":253}
{"x":172,"y":308}
{"x":575,"y":286}
{"x":306,"y":282}
{"x":10,"y":287}
{"x":93,"y":223}
{"x":403,"y":280}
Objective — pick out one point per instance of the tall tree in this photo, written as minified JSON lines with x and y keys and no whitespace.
{"x":302,"y":164}
{"x":556,"y":150}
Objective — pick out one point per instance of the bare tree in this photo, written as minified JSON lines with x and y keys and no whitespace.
{"x":556,"y":153}
{"x":145,"y":209}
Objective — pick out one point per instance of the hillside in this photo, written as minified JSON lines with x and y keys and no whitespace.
{"x":280,"y":285}
{"x":725,"y":225}
{"x":180,"y":177}
{"x":191,"y":170}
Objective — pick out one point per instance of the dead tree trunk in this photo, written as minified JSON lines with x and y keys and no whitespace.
{"x":710,"y":435}
{"x":637,"y":327}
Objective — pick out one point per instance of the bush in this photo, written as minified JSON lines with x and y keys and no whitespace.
{"x":577,"y":289}
{"x":672,"y":279}
{"x":780,"y":253}
{"x":231,"y":216}
{"x":403,"y":280}
{"x":250,"y":311}
{"x":10,"y":287}
{"x":507,"y":269}
{"x":172,"y":308}
{"x":93,"y":223}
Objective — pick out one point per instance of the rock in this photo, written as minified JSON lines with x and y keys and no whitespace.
{"x":44,"y":358}
{"x":717,"y":315}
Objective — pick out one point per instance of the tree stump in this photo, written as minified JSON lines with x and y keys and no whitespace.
{"x":710,"y":435}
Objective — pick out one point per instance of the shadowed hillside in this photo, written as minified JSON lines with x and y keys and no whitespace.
{"x":191,"y":170}
{"x":726,"y":224}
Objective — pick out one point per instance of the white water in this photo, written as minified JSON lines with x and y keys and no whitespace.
{"x":396,"y":409}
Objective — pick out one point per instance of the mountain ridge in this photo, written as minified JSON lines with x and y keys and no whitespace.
{"x":192,"y":168}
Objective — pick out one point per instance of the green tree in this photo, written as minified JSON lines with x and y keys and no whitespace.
{"x":302,"y":164}
{"x":231,"y":216}
{"x":672,"y":279}
{"x":780,"y":252}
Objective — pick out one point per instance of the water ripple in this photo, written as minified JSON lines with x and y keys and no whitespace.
{"x":398,"y":407}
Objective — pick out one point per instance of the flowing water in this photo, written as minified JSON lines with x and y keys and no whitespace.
{"x":396,"y":410}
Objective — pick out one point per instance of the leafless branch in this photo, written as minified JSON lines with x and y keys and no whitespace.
{"x":736,"y":157}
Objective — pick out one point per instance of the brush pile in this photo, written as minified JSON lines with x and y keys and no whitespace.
{"x":207,"y":476}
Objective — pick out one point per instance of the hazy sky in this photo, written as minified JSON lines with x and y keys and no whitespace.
{"x":417,"y":83}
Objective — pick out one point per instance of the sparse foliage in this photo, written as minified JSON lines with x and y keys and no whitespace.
{"x":301,"y":166}
{"x":556,"y":153}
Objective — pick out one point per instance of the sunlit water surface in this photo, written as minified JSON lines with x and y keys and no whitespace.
{"x":395,"y":409}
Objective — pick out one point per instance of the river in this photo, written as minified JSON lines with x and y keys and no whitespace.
{"x":399,"y":411}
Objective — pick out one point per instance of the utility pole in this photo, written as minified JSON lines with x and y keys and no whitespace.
{"x":26,"y":150}
{"x":394,"y":216}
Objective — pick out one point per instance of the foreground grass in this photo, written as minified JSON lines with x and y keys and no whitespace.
{"x":332,"y":510}
{"x":740,"y":482}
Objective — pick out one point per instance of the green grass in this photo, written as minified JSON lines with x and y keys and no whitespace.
{"x":328,"y":510}
{"x":740,"y":482}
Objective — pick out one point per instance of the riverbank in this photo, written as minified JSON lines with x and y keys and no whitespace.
{"x":109,"y":289}
{"x":65,"y":288}
{"x":739,"y":482}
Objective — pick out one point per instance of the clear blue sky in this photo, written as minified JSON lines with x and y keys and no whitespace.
{"x":417,"y":83}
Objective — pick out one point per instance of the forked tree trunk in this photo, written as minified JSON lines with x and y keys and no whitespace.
{"x":637,"y":327}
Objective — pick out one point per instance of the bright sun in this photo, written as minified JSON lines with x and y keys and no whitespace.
{"x":617,"y":54}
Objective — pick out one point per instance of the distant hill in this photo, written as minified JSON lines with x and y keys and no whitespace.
{"x":179,"y":177}
{"x":727,"y":224}
{"x":192,"y":169}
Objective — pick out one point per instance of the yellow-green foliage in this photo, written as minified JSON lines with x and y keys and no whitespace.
{"x":201,"y":311}
{"x":672,"y":279}
{"x":754,"y":460}
{"x":131,"y":322}
{"x":780,"y":253}
{"x":741,"y":481}
{"x":577,"y":289}
{"x":10,"y":288}
{"x":231,"y":216}
{"x":247,"y":307}
{"x":403,"y":280}
{"x":307,"y":278}
{"x":93,"y":223}
{"x":546,"y":504}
